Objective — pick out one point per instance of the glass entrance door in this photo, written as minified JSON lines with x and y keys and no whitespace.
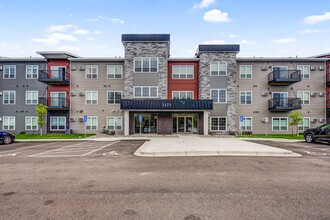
{"x":185,"y":124}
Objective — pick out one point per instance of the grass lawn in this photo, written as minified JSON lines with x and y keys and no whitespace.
{"x":51,"y":136}
{"x":287,"y":136}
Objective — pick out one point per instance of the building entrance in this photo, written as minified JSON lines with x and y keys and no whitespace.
{"x":183,"y":123}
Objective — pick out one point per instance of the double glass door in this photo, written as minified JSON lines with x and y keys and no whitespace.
{"x":185,"y":124}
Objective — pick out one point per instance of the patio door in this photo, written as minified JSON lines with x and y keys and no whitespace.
{"x":185,"y":124}
{"x":57,"y":98}
{"x":56,"y":72}
{"x":281,"y":72}
{"x":280,"y":98}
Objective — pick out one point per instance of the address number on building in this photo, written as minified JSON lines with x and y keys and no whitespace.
{"x":166,"y":105}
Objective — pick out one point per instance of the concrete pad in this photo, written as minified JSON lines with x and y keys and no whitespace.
{"x":192,"y":145}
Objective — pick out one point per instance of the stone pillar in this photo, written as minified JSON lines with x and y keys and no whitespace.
{"x":126,"y":122}
{"x":206,"y":123}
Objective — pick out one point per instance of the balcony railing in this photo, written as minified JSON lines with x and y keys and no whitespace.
{"x":284,"y":104}
{"x":328,"y":79}
{"x":284,"y":77}
{"x":55,"y":103}
{"x":328,"y":105}
{"x":54,"y":77}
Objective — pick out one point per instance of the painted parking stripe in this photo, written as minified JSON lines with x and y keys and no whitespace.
{"x":57,"y":149}
{"x":101,"y":148}
{"x":18,"y":149}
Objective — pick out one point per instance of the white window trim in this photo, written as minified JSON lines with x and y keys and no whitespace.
{"x":3,"y":71}
{"x":50,"y":124}
{"x":26,"y":73}
{"x":218,"y":62}
{"x":97,"y":123}
{"x":193,"y":95}
{"x":245,"y":126}
{"x":309,"y":75}
{"x":240,"y":101}
{"x":107,"y":96}
{"x":287,"y":124}
{"x":121,"y":74}
{"x":309,"y":95}
{"x":218,"y":97}
{"x":186,"y":72}
{"x":31,"y":124}
{"x":149,"y":64}
{"x":26,"y":97}
{"x":218,"y":124}
{"x":97,"y":72}
{"x":3,"y":123}
{"x":287,"y":94}
{"x":309,"y":123}
{"x":142,"y":97}
{"x":3,"y":99}
{"x":245,"y":73}
{"x":115,"y":118}
{"x":97,"y":100}
{"x":286,"y":67}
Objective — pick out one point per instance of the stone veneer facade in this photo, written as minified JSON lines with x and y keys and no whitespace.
{"x":146,"y":49}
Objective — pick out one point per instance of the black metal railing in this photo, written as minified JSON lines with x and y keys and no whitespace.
{"x":328,"y":104}
{"x":284,"y":104}
{"x":54,"y":76}
{"x":328,"y":79}
{"x":284,"y":77}
{"x":55,"y":103}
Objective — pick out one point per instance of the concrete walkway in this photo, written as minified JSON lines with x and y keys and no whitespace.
{"x":192,"y":145}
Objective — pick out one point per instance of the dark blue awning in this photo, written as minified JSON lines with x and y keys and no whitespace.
{"x":163,"y":104}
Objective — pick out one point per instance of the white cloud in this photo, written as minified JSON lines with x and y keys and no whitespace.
{"x":90,"y":38}
{"x":81,"y":31}
{"x":246,"y":42}
{"x":233,"y":36}
{"x":204,"y":4}
{"x":59,"y":28}
{"x":309,"y":31}
{"x":67,"y":48}
{"x":214,"y":42}
{"x":216,"y":15}
{"x":285,"y":40}
{"x":112,"y":20}
{"x":117,"y":21}
{"x":97,"y":32}
{"x":55,"y":38}
{"x":6,"y":45}
{"x":316,"y":18}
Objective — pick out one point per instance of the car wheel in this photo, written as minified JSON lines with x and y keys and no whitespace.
{"x":309,"y":138}
{"x":7,"y":139}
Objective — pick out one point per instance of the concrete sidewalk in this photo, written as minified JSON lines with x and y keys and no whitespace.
{"x":191,"y":145}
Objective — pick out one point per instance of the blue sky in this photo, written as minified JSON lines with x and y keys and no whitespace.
{"x":92,"y":28}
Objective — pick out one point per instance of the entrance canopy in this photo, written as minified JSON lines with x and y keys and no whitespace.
{"x":163,"y":104}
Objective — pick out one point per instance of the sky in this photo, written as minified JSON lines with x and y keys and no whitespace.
{"x":93,"y":28}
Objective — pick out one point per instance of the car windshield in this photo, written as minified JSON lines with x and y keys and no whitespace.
{"x":325,"y":126}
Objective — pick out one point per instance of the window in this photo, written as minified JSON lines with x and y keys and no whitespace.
{"x":246,"y":125}
{"x":280,"y":124}
{"x":31,"y":123}
{"x":91,"y":123}
{"x":31,"y":97}
{"x":305,"y":71}
{"x":114,"y":123}
{"x":245,"y":71}
{"x":114,"y":97}
{"x":9,"y":97}
{"x":8,"y":123}
{"x":218,"y":68}
{"x":91,"y":97}
{"x":146,"y":64}
{"x":218,"y":123}
{"x":114,"y":71}
{"x":31,"y":72}
{"x":219,"y":95}
{"x":182,"y":95}
{"x":304,"y":97}
{"x":182,"y":72}
{"x":245,"y":97}
{"x":145,"y":92}
{"x":305,"y":124}
{"x":91,"y":72}
{"x":9,"y":71}
{"x":57,"y":123}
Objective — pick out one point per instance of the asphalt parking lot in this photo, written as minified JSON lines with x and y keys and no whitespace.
{"x":103,"y":180}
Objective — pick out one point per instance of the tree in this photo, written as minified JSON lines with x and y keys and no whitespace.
{"x":41,"y":111}
{"x":296,"y":119}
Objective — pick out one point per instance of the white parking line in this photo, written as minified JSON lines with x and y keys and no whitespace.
{"x":28,"y":147}
{"x":57,"y":149}
{"x":101,"y":148}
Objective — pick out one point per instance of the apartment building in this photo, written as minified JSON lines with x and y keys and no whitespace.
{"x":19,"y":93}
{"x":149,"y":92}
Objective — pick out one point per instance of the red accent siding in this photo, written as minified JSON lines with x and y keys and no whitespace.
{"x":328,"y":87}
{"x":183,"y":84}
{"x":64,"y":88}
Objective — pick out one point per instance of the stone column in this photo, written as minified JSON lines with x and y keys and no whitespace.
{"x":206,"y":123}
{"x":126,"y":122}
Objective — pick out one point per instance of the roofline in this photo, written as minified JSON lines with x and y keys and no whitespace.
{"x":183,"y":59}
{"x":42,"y":53}
{"x":321,"y":55}
{"x":95,"y":59}
{"x":21,"y":59}
{"x":265,"y":59}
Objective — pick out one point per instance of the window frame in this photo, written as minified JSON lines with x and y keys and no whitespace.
{"x":91,"y":123}
{"x":114,"y":75}
{"x":302,"y":99}
{"x":114,"y":91}
{"x":240,"y":71}
{"x":218,"y":117}
{"x":3,"y":99}
{"x":26,"y":96}
{"x":240,"y":97}
{"x":3,"y":123}
{"x":31,"y":117}
{"x":186,"y":92}
{"x":280,"y":118}
{"x":218,"y":71}
{"x":4,"y":69}
{"x":240,"y":124}
{"x":219,"y":96}
{"x":97,"y":97}
{"x":301,"y":71}
{"x":185,"y":74}
{"x":142,"y":66}
{"x":302,"y":125}
{"x":58,"y":125}
{"x":87,"y":67}
{"x":26,"y":72}
{"x":143,"y":97}
{"x":115,"y":118}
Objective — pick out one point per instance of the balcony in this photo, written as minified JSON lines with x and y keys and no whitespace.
{"x":328,"y":105}
{"x":55,"y":103}
{"x":328,"y":79}
{"x":54,"y":77}
{"x":283,"y":77}
{"x":284,"y":104}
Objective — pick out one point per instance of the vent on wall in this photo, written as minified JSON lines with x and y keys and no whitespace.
{"x":322,"y":120}
{"x":264,"y":94}
{"x":73,"y":67}
{"x":81,"y":93}
{"x":313,"y":120}
{"x":0,"y":93}
{"x":321,"y":68}
{"x":81,"y":119}
{"x":313,"y":94}
{"x":322,"y":94}
{"x":264,"y":68}
{"x":313,"y":68}
{"x":72,"y":93}
{"x":0,"y":67}
{"x":81,"y":67}
{"x":72,"y":119}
